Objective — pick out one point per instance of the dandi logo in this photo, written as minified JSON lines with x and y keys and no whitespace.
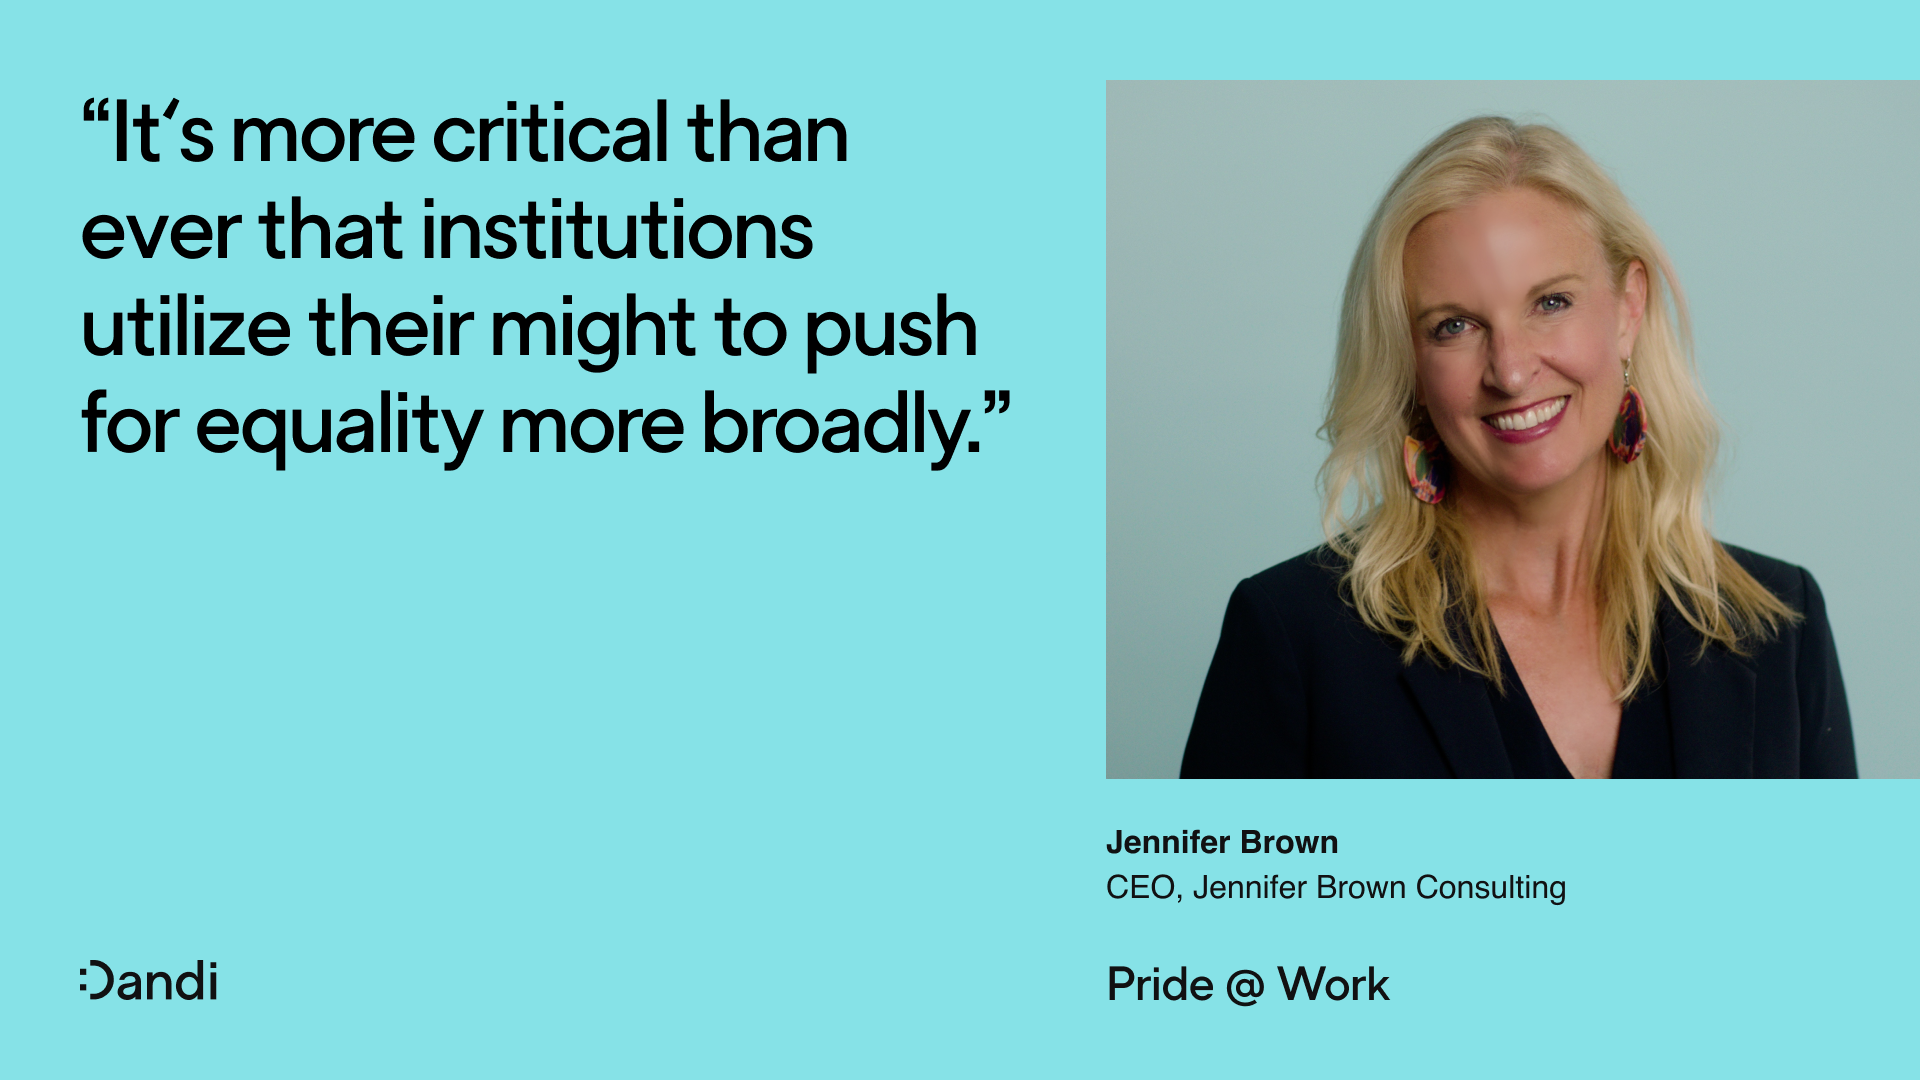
{"x":202,"y":983}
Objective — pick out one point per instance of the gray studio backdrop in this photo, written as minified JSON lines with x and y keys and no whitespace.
{"x":1790,"y":213}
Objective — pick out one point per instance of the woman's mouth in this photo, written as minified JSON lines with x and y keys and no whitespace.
{"x":1526,"y":424}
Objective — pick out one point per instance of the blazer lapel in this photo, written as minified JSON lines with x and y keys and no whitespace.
{"x":1456,"y":708}
{"x":1710,"y":702}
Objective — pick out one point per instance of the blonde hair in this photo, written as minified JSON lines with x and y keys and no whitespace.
{"x":1409,"y":570}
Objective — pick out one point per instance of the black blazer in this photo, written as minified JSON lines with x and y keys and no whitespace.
{"x":1300,"y":687}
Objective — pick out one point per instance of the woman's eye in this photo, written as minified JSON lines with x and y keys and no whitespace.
{"x":1556,"y":302}
{"x":1450,"y":328}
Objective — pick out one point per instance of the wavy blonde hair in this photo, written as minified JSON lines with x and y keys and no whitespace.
{"x":1409,"y":570}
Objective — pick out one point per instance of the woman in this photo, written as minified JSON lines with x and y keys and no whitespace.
{"x":1519,"y":579}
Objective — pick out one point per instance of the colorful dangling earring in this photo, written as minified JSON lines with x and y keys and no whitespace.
{"x":1427,"y":464}
{"x":1630,"y":426}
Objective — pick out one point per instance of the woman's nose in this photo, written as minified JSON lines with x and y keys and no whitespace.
{"x":1511,"y":363}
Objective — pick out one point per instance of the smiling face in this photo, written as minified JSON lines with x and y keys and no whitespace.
{"x":1518,"y":338}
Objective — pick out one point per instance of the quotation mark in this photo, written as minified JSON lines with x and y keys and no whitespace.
{"x":105,"y":111}
{"x":1004,"y":398}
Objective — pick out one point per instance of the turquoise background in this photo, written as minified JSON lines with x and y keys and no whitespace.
{"x":706,"y":765}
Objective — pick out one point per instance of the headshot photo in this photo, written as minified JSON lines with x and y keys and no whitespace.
{"x":1508,"y":430}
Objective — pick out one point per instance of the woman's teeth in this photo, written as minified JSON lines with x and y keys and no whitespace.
{"x":1533,"y":417}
